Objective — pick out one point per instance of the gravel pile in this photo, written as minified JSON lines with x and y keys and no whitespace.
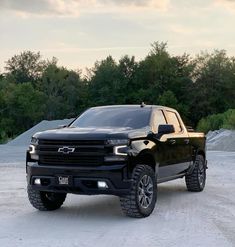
{"x":24,"y":138}
{"x":221,"y":140}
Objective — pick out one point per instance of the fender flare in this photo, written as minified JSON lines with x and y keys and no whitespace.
{"x":150,"y":157}
{"x":198,"y":152}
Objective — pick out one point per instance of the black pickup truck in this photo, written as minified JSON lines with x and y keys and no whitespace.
{"x":123,"y":150}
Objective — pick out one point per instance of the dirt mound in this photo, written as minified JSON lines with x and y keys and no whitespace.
{"x":25,"y":137}
{"x":221,"y":140}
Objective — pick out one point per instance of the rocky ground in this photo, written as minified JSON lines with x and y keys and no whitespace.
{"x":181,"y":218}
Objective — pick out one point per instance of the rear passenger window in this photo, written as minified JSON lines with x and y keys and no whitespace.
{"x":158,"y":119}
{"x":172,"y":119}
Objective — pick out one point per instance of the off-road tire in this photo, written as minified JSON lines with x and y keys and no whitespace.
{"x":45,"y":201}
{"x":193,"y":181}
{"x":130,"y":204}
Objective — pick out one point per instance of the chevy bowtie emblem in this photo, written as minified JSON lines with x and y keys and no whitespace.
{"x":66,"y":150}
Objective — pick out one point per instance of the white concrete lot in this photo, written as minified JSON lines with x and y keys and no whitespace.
{"x":180,"y":218}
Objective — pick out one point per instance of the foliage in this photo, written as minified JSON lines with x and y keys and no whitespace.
{"x":25,"y":67}
{"x":24,"y":106}
{"x":216,"y":121}
{"x":214,"y":88}
{"x":33,"y":89}
{"x":64,"y":90}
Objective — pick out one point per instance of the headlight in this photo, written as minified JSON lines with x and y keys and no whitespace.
{"x":31,"y":149}
{"x":116,"y":142}
{"x":32,"y":152}
{"x":120,"y":150}
{"x":34,"y":140}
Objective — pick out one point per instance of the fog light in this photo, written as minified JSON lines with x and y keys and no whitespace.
{"x":37,"y":181}
{"x":102,"y":185}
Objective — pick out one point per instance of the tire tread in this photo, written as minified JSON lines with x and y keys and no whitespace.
{"x":128,"y":202}
{"x":36,"y":199}
{"x":191,"y":180}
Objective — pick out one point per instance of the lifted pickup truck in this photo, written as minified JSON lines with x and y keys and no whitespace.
{"x":123,"y":150}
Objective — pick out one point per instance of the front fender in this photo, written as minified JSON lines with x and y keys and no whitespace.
{"x":138,"y":146}
{"x":144,"y":151}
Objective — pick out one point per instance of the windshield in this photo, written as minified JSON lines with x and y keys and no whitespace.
{"x":134,"y":118}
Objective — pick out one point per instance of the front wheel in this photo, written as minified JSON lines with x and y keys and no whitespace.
{"x":142,"y":198}
{"x":196,"y":180}
{"x":45,"y":201}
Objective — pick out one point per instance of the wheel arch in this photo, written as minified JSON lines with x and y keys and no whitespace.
{"x":201,"y":152}
{"x":198,"y":152}
{"x":146,"y":157}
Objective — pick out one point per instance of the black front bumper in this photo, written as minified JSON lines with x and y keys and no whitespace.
{"x":82,"y":180}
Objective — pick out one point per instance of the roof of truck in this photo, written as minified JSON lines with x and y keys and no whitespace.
{"x":136,"y":106}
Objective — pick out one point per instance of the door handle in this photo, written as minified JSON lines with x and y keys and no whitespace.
{"x":172,"y":141}
{"x":186,"y":141}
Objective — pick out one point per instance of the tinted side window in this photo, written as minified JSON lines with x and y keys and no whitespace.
{"x":172,"y":119}
{"x":158,"y":119}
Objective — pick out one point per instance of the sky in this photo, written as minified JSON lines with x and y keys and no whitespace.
{"x":80,"y":32}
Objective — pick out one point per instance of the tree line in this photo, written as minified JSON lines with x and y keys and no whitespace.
{"x":33,"y":89}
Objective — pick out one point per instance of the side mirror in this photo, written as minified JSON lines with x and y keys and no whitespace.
{"x":166,"y":129}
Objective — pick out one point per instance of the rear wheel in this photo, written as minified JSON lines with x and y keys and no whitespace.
{"x":45,"y":201}
{"x":142,"y":198}
{"x":196,"y":180}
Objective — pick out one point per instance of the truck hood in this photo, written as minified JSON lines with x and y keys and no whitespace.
{"x":71,"y":133}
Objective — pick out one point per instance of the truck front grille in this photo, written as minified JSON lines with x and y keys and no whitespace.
{"x":85,"y":152}
{"x":71,"y":142}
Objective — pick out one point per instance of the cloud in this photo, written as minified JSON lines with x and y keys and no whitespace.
{"x":75,"y":7}
{"x":159,"y":4}
{"x":66,"y":49}
{"x":179,"y":29}
{"x":227,"y":4}
{"x":42,"y":6}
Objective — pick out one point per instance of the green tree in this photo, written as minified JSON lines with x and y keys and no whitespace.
{"x":217,"y":121}
{"x":24,"y":108}
{"x":25,"y":67}
{"x":168,"y":98}
{"x":213,"y":90}
{"x":104,"y":82}
{"x":66,"y":92}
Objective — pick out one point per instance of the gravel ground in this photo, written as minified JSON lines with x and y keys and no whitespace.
{"x":180,"y":218}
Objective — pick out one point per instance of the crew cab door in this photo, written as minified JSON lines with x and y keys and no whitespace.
{"x":175,"y":147}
